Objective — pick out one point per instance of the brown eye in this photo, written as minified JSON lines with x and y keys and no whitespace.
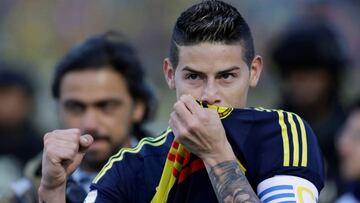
{"x":74,"y":107}
{"x":108,"y":106}
{"x":227,"y":76}
{"x":192,"y":76}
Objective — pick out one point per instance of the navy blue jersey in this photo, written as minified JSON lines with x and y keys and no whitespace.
{"x":266,"y":143}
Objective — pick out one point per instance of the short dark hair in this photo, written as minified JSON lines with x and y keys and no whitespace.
{"x":211,"y":21}
{"x":14,"y":75}
{"x":109,"y":50}
{"x":311,"y":44}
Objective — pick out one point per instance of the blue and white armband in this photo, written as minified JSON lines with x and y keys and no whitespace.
{"x":287,"y":189}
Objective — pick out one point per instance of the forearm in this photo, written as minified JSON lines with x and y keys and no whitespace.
{"x":229,"y":182}
{"x":56,"y":195}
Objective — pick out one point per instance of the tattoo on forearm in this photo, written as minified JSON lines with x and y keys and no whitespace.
{"x":230,"y":184}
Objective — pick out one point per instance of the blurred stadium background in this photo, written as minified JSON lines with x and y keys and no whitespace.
{"x":38,"y":33}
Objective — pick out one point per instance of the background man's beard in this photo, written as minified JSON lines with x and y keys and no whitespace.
{"x":95,"y":160}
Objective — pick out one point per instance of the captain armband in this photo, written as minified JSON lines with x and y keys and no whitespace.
{"x":286,"y":188}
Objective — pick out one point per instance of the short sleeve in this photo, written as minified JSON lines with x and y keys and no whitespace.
{"x":285,"y":145}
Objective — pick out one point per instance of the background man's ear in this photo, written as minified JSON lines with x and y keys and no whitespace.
{"x":139,"y":111}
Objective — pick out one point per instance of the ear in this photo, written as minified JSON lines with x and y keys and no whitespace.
{"x":139,"y":111}
{"x":169,"y":73}
{"x":255,"y":70}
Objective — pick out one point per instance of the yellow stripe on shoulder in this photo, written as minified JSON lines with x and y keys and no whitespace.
{"x":304,"y":155}
{"x":298,"y":132}
{"x":284,"y":133}
{"x":295,"y":139}
{"x":285,"y":138}
{"x":153,"y":141}
{"x":295,"y":132}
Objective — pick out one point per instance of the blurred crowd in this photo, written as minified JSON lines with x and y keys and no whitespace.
{"x":312,"y":69}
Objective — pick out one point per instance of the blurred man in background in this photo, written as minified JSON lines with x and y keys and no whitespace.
{"x":20,"y":139}
{"x":311,"y":62}
{"x":16,"y":107}
{"x":100,"y":89}
{"x":349,"y":150}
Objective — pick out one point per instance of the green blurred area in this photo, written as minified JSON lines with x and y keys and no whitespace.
{"x":38,"y":33}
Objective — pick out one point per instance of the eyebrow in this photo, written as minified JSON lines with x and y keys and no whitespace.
{"x":79,"y":102}
{"x":229,"y":70}
{"x":187,"y":68}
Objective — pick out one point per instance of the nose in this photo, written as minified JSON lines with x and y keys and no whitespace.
{"x":210,"y":93}
{"x":90,"y":121}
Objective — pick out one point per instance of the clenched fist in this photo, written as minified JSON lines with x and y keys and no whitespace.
{"x":63,"y":152}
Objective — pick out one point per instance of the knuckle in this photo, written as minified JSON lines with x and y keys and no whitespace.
{"x":46,"y":136}
{"x":192,"y":126}
{"x":183,"y":132}
{"x":57,"y":131}
{"x":46,"y":143}
{"x":72,"y":136}
{"x":203,"y":116}
{"x":48,"y":151}
{"x":76,"y":131}
{"x":75,"y":138}
{"x":74,"y":146}
{"x":172,"y":115}
{"x":176,"y":105}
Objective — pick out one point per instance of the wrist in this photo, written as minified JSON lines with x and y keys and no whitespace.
{"x":54,"y":194}
{"x":53,"y":183}
{"x":219,"y":155}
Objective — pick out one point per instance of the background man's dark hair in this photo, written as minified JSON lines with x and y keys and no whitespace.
{"x":211,"y":21}
{"x":14,"y":75}
{"x":110,"y":50}
{"x":310,"y":44}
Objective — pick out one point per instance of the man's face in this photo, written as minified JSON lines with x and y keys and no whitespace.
{"x":349,"y":147}
{"x":98,"y":103}
{"x":214,"y":73}
{"x":308,"y":87}
{"x":15,"y":106}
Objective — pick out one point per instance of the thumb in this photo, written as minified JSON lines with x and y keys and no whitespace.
{"x":85,"y":142}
